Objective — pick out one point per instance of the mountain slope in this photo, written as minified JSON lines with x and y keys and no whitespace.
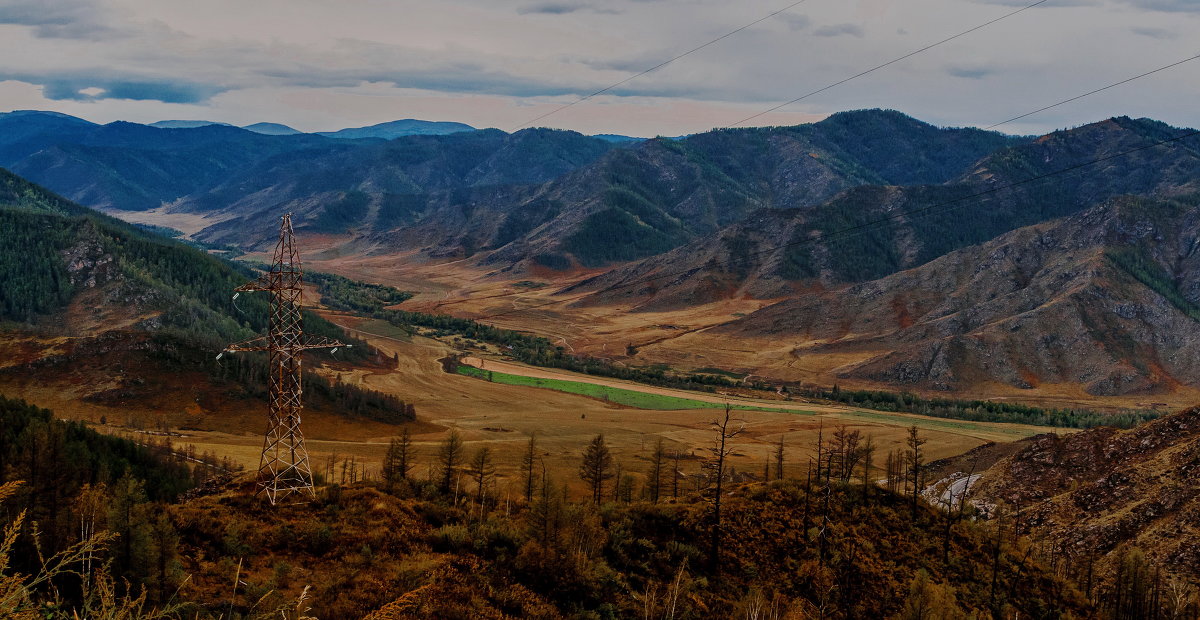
{"x":95,"y":311}
{"x":382,"y":186}
{"x":1097,"y":496}
{"x":1104,"y":299}
{"x":771,"y":251}
{"x":663,"y":193}
{"x":135,"y":167}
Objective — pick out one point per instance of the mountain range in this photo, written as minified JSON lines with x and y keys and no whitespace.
{"x":865,"y":233}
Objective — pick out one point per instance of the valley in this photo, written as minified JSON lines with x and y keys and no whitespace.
{"x":612,"y":300}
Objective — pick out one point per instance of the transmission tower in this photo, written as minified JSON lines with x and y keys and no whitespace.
{"x":283,"y":469}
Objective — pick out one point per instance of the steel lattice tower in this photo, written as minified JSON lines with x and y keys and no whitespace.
{"x":284,"y":468}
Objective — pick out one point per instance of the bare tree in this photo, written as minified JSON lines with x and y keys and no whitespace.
{"x":722,"y":447}
{"x":482,"y":472}
{"x":597,"y":460}
{"x":654,"y":478}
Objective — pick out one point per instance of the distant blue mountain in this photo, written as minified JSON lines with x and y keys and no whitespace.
{"x":32,"y":115}
{"x":272,"y":129}
{"x":397,"y":129}
{"x":185,"y":124}
{"x":617,"y":138}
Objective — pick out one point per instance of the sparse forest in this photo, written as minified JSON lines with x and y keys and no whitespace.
{"x":461,"y":542}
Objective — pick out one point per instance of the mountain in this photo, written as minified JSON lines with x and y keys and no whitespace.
{"x":24,"y":132}
{"x":1109,"y":505}
{"x":377,"y":188}
{"x":98,"y":314}
{"x":619,"y":139}
{"x":133,"y":167}
{"x":396,"y":129}
{"x":1103,"y":299}
{"x":558,"y":198}
{"x":552,"y":197}
{"x":772,"y":253}
{"x":272,"y":129}
{"x":185,"y":124}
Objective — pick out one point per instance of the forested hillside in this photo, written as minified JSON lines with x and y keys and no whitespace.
{"x":862,"y":233}
{"x":83,"y":291}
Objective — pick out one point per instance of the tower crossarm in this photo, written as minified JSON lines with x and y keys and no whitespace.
{"x":263,"y":344}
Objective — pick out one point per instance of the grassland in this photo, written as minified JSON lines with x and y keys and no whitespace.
{"x":628,"y":398}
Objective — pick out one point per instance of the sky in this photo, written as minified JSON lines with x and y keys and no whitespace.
{"x":325,"y":65}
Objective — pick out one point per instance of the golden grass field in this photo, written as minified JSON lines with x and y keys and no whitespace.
{"x":679,"y":338}
{"x":503,"y":416}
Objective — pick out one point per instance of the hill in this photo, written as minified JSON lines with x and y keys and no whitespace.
{"x":787,"y":550}
{"x":396,"y":129}
{"x":185,"y":124}
{"x":1114,"y":508}
{"x":394,"y":187}
{"x":129,"y":166}
{"x":773,"y":253}
{"x":1097,"y":300}
{"x":121,"y":322}
{"x":271,"y":129}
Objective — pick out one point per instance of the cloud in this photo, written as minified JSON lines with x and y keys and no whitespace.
{"x":550,"y":8}
{"x":838,"y":30}
{"x":564,"y":8}
{"x":970,"y":72}
{"x":70,"y":86}
{"x":795,"y":21}
{"x":1168,"y":6}
{"x":60,"y":19}
{"x":1155,"y":33}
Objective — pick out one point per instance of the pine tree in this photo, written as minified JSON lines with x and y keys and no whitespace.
{"x":450,"y":458}
{"x":528,"y":466}
{"x":779,"y":459}
{"x":397,"y":461}
{"x":597,"y":460}
{"x":915,"y":459}
{"x":482,"y":472}
{"x":128,"y":517}
{"x":164,"y":554}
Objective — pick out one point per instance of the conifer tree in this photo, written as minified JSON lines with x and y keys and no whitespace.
{"x":595,"y":469}
{"x":450,"y":458}
{"x":529,"y":466}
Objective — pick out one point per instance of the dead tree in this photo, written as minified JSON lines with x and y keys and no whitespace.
{"x":722,"y":447}
{"x":654,"y":479}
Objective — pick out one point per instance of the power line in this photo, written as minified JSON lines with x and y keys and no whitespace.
{"x":661,"y":64}
{"x":1104,"y":88}
{"x":888,"y":63}
{"x":921,"y":212}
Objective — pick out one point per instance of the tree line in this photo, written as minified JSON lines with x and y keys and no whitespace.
{"x":348,"y":294}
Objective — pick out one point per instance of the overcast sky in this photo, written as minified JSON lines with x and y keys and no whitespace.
{"x":323,"y":65}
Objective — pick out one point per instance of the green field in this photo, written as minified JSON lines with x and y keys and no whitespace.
{"x":629,"y":398}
